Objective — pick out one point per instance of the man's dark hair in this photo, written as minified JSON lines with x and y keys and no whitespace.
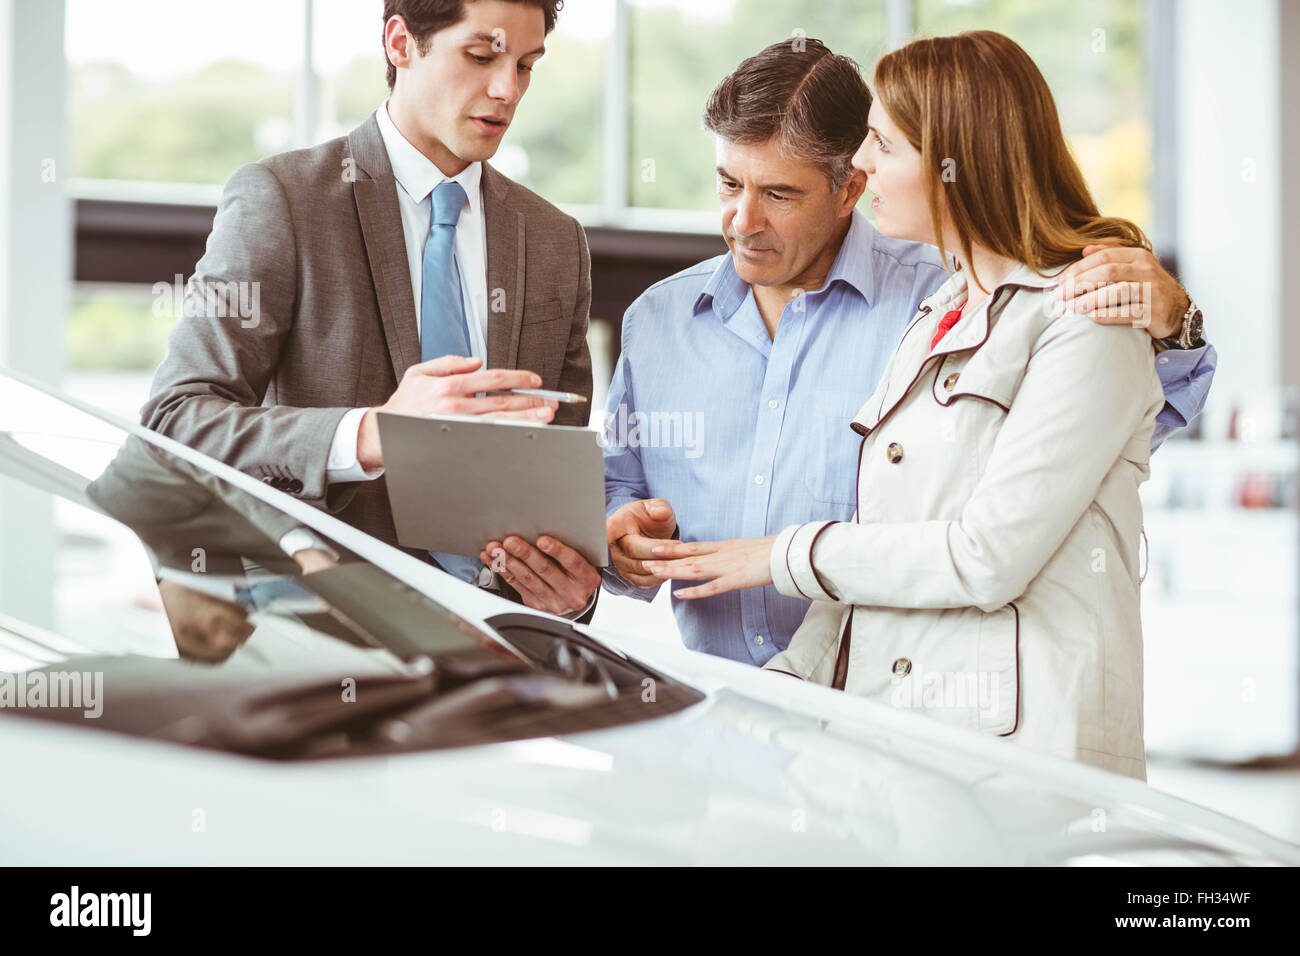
{"x":424,"y":18}
{"x":814,"y":101}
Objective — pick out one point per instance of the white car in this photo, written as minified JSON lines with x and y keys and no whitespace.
{"x":174,"y":689}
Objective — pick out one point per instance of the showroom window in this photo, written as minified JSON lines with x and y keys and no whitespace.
{"x":168,"y":93}
{"x":649,"y":64}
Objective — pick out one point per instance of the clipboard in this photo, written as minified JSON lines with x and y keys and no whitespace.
{"x":456,"y":482}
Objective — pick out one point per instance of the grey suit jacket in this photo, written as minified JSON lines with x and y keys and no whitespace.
{"x":301,"y":309}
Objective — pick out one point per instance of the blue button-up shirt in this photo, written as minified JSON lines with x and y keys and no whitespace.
{"x":745,"y":434}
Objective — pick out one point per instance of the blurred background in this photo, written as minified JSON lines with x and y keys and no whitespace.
{"x":119,"y":122}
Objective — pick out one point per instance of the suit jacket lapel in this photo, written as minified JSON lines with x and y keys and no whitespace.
{"x":505,"y":270}
{"x":375,"y":192}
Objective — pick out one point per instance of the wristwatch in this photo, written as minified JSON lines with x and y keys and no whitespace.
{"x":1189,"y":334}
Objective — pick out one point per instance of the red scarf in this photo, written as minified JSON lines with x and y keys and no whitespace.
{"x":947,"y":322}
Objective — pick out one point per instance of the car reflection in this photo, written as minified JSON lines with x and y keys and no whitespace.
{"x":291,"y":646}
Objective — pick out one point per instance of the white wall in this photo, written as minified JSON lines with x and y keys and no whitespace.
{"x":1230,"y":170}
{"x":1289,"y":59}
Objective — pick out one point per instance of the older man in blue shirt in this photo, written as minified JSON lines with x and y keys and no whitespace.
{"x":729,"y":409}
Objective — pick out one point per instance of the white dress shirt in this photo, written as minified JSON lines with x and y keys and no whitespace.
{"x":417,"y":177}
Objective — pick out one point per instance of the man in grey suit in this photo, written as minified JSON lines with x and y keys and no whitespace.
{"x":392,"y":269}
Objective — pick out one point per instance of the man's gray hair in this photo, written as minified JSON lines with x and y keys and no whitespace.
{"x":814,"y":101}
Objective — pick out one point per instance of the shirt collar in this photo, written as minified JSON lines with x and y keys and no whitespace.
{"x":416,"y":173}
{"x":725,"y":289}
{"x":852,"y":266}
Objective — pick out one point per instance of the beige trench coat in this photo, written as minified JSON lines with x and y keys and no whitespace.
{"x":990,"y":576}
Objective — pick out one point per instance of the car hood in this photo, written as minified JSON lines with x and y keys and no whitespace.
{"x":733,"y":780}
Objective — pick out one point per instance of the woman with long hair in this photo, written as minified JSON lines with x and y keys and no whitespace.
{"x":990,"y":576}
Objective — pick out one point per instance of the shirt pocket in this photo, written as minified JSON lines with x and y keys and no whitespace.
{"x":975,"y":397}
{"x":991,"y":375}
{"x":830,"y":459}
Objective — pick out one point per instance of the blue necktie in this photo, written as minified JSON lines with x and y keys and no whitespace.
{"x":443,"y":329}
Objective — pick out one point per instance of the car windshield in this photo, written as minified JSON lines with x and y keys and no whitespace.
{"x":142,"y":593}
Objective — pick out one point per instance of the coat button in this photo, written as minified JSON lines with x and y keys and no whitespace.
{"x":950,"y":382}
{"x":895,"y":452}
{"x":902,"y":667}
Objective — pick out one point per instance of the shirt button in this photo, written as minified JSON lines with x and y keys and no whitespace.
{"x":902,"y":667}
{"x":758,"y":479}
{"x":772,"y":403}
{"x":895,"y":452}
{"x":758,"y":638}
{"x":950,"y":382}
{"x":1163,"y":360}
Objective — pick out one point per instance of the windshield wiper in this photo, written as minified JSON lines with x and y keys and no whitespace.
{"x":434,"y":699}
{"x":269,"y":722}
{"x":489,"y":698}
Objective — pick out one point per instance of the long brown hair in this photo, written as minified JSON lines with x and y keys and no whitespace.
{"x":983,"y":119}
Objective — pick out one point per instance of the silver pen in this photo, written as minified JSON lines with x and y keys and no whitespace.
{"x":571,"y":398}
